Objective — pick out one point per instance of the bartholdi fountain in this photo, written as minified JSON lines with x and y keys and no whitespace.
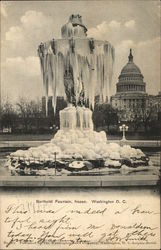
{"x":77,"y":68}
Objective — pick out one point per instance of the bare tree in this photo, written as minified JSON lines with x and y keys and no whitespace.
{"x":8,"y":115}
{"x":29,"y":111}
{"x":104,"y":115}
{"x":144,"y":114}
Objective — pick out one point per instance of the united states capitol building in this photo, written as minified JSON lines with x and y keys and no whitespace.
{"x":131,"y":98}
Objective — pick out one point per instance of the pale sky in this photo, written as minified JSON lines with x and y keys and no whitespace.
{"x":125,"y":23}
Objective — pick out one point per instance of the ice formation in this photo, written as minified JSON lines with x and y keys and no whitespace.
{"x":79,"y":144}
{"x":76,"y":147}
{"x":76,"y":118}
{"x":76,"y":67}
{"x":77,"y":150}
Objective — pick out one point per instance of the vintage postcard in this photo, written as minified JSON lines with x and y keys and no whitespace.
{"x":80,"y":125}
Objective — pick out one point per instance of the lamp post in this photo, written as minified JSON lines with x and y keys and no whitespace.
{"x":55,"y":161}
{"x":123,"y":128}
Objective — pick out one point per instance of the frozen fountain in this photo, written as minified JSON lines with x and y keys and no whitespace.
{"x":77,"y":68}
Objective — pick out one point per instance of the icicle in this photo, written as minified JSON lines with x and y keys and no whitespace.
{"x":107,"y":73}
{"x":110,"y":72}
{"x":42,"y":55}
{"x":105,"y":77}
{"x":53,"y":46}
{"x":61,"y":71}
{"x":99,"y":75}
{"x":46,"y":104}
{"x":54,"y":99}
{"x":55,"y":74}
{"x":45,"y":53}
{"x":91,"y":45}
{"x":102,"y":78}
{"x":92,"y":80}
{"x":88,"y":68}
{"x":85,"y":76}
{"x":46,"y":79}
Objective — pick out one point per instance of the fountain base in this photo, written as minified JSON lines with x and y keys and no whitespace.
{"x":76,"y":148}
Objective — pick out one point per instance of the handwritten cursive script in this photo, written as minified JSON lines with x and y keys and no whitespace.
{"x":71,"y":223}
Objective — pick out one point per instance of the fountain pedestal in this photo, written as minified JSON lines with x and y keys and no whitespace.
{"x":76,"y":118}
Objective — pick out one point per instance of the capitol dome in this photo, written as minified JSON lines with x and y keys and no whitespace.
{"x":130,"y":79}
{"x":130,"y":67}
{"x":130,"y":98}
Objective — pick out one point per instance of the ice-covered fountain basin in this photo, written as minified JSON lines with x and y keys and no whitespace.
{"x":78,"y":150}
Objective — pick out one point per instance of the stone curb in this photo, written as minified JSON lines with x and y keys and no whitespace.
{"x":77,"y":181}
